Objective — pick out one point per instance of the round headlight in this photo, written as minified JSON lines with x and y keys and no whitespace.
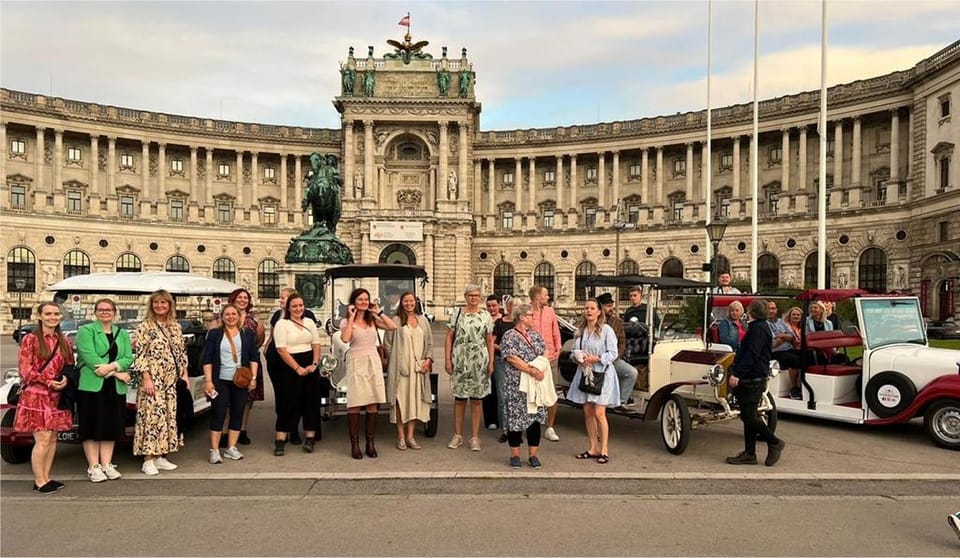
{"x":328,"y":363}
{"x":10,"y":374}
{"x":715,"y":375}
{"x":774,"y":368}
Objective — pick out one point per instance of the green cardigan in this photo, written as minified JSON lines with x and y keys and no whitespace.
{"x":93,"y":350}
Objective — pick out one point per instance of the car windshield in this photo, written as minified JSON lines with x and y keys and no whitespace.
{"x":887,"y":321}
{"x":680,"y":315}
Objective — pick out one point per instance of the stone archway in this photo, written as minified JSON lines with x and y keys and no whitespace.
{"x":398,"y":254}
{"x":407,"y":172}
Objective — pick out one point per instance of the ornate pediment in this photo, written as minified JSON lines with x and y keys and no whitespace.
{"x":224,"y":197}
{"x":19,"y":179}
{"x":74,"y":184}
{"x":942,"y":147}
{"x":268,"y":200}
{"x":128,"y":189}
{"x":175,"y":193}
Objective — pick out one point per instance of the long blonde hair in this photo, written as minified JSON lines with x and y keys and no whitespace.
{"x":582,"y":325}
{"x":161,"y":295}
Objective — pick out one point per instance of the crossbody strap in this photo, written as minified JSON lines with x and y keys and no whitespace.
{"x":233,"y":346}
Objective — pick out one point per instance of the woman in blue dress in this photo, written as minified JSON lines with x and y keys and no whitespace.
{"x":520,"y":347}
{"x":595,"y":349}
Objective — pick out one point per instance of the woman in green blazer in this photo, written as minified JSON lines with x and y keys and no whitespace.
{"x":104,"y":355}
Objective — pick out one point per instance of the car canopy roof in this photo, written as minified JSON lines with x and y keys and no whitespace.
{"x":639,"y":280}
{"x":141,"y":283}
{"x":379,"y":270}
{"x":831,"y":295}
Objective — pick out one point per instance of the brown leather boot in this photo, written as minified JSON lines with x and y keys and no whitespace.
{"x":353,"y":425}
{"x":371,"y":432}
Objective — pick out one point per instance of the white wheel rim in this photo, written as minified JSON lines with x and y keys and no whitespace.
{"x":671,"y":423}
{"x":946,"y":423}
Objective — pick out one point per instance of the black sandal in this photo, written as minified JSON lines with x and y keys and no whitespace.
{"x":603,"y":459}
{"x":586,"y":455}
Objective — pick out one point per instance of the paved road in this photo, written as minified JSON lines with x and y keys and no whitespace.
{"x":839,"y":490}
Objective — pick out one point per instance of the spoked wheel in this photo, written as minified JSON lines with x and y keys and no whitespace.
{"x":675,"y":424}
{"x":942,"y":421}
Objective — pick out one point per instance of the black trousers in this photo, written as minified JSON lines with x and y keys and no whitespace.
{"x":748,"y":395}
{"x":490,"y":404}
{"x":298,"y":396}
{"x":228,"y":395}
{"x":514,"y":438}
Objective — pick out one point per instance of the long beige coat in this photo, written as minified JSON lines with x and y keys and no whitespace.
{"x":393,"y":372}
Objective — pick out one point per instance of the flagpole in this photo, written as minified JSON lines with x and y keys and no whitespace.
{"x":709,"y":183}
{"x":822,"y":190}
{"x":754,"y":150}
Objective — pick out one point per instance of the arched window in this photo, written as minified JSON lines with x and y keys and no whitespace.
{"x":671,"y":267}
{"x":584,"y":271}
{"x":503,"y":280}
{"x":627,"y":267}
{"x":21,"y":270}
{"x":723,"y":264}
{"x":768,"y":272}
{"x":398,"y":254}
{"x":268,"y":280}
{"x":76,"y":262}
{"x":545,"y":276}
{"x":224,"y":268}
{"x":129,"y":263}
{"x":872,"y":271}
{"x":177,"y":264}
{"x":810,"y":270}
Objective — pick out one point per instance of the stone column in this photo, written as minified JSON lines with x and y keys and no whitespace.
{"x":298,"y":188}
{"x":194,"y":193}
{"x":443,"y":167}
{"x":704,"y":177}
{"x":491,"y":194}
{"x":648,"y":198}
{"x":95,"y":167}
{"x":462,"y":153}
{"x":208,"y":183}
{"x":894,"y":146}
{"x":532,"y":194}
{"x":558,"y":180}
{"x":161,"y":171}
{"x":616,"y":178}
{"x":735,"y":190}
{"x":689,"y":172}
{"x":283,"y":187}
{"x":660,"y":199}
{"x":477,"y":187}
{"x":368,"y":147}
{"x":574,"y":196}
{"x":145,"y":171}
{"x":255,"y":178}
{"x":838,"y":154}
{"x":855,"y":178}
{"x":241,"y":199}
{"x":518,"y":187}
{"x":785,"y":161}
{"x":802,"y":160}
{"x":111,"y":165}
{"x":348,"y":158}
{"x":4,"y":150}
{"x":601,"y":182}
{"x":57,"y":159}
{"x":38,"y":165}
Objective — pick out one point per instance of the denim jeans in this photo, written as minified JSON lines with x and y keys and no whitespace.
{"x":627,"y":375}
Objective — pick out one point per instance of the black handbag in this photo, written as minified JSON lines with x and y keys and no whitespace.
{"x":594,"y":384}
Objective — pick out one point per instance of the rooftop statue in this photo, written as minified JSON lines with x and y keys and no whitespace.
{"x":408,"y":49}
{"x":369,"y":80}
{"x":348,"y":78}
{"x":464,"y":86}
{"x":443,"y":81}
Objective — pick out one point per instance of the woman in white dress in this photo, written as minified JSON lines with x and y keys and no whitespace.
{"x":408,"y":372}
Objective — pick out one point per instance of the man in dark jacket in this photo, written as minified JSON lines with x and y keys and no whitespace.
{"x":748,"y":378}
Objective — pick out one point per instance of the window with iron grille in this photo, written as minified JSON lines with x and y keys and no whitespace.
{"x":177,"y":264}
{"x":75,"y":262}
{"x":129,"y":263}
{"x":872,"y":271}
{"x":584,"y":271}
{"x":768,"y":272}
{"x":503,"y":280}
{"x":268,"y":280}
{"x":224,"y":268}
{"x":545,"y":276}
{"x":21,"y":265}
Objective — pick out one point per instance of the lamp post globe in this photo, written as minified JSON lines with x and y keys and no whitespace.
{"x":715,"y":229}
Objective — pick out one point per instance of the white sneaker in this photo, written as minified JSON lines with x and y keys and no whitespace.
{"x":455,"y":441}
{"x":954,"y":521}
{"x":149,"y":467}
{"x":215,"y":457}
{"x":232,"y":453}
{"x":474,"y":444}
{"x":164,"y":465}
{"x":96,"y":474}
{"x":551,"y":435}
{"x":111,"y":471}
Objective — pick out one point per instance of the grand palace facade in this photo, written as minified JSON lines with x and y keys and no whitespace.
{"x":89,"y":188}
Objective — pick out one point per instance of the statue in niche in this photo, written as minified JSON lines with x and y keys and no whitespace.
{"x":382,"y":138}
{"x":443,"y":81}
{"x":369,"y":81}
{"x":452,"y":184}
{"x":464,"y":85}
{"x":901,"y":278}
{"x":348,"y":77}
{"x":358,"y":183}
{"x":432,"y":138}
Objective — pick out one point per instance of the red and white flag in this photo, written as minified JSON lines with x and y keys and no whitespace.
{"x":405,"y":20}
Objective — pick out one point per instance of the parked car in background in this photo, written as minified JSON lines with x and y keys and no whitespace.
{"x":943,"y":329}
{"x":23,"y":330}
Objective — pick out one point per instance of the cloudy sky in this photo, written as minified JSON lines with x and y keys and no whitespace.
{"x":538,"y":63}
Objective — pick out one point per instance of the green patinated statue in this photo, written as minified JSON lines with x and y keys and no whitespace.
{"x":322,"y":197}
{"x":348,"y":78}
{"x":369,"y":80}
{"x":443,"y":82}
{"x":464,"y":85}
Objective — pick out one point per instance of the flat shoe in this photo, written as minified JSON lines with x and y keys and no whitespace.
{"x":586,"y":455}
{"x":401,"y":445}
{"x":603,"y":459}
{"x":413,"y":444}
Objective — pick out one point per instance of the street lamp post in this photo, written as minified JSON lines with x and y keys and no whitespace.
{"x":20,"y":284}
{"x":715,"y":229}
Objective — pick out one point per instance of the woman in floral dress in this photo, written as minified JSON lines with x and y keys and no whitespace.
{"x":469,"y":361}
{"x":43,"y":354}
{"x":161,"y":359}
{"x":243,"y":300}
{"x":519,"y":347}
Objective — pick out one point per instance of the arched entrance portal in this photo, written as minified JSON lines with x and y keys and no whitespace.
{"x":398,"y":254}
{"x":407,"y":173}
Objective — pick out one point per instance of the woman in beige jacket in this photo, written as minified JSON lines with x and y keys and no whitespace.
{"x":408,"y":371}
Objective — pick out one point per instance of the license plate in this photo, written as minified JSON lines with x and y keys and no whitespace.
{"x":67,"y":436}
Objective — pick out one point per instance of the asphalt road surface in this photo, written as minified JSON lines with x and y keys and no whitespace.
{"x":840,"y":490}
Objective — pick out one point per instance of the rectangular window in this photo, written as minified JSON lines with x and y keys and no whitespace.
{"x":126,"y":161}
{"x":506,"y":221}
{"x":176,"y":165}
{"x":550,"y":176}
{"x":944,"y":228}
{"x":724,"y":208}
{"x":223,"y":169}
{"x":635,"y":170}
{"x":678,"y":210}
{"x":548,"y":218}
{"x":633,"y":214}
{"x":126,"y":207}
{"x":945,"y":106}
{"x":944,"y":173}
{"x":726,"y":161}
{"x":270,"y":215}
{"x":18,"y":147}
{"x":224,"y":213}
{"x":591,"y":173}
{"x":269,"y":173}
{"x":508,"y":177}
{"x":74,"y":154}
{"x":176,"y":210}
{"x":18,"y":197}
{"x":590,"y":217}
{"x":74,"y":202}
{"x":774,"y":204}
{"x":775,"y":154}
{"x":679,"y":167}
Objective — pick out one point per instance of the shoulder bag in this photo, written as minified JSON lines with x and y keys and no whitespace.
{"x":591,"y":381}
{"x":244,"y":374}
